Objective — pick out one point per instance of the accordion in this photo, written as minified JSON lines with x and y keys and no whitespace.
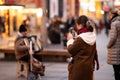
{"x":36,"y":44}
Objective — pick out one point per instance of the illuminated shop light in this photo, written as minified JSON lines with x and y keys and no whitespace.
{"x":37,"y":11}
{"x":4,"y":7}
{"x":91,"y":7}
{"x":117,"y":2}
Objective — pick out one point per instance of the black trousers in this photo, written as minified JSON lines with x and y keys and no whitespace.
{"x":27,"y":58}
{"x":116,"y":72}
{"x":38,"y":57}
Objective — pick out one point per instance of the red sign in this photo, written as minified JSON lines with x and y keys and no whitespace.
{"x":106,"y":8}
{"x":10,"y":1}
{"x":39,"y":3}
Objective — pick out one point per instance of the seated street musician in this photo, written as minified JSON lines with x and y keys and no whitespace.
{"x":22,"y":50}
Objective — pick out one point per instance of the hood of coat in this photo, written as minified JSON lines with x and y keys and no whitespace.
{"x":88,"y":37}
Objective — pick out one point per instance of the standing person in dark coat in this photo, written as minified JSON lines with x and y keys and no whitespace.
{"x":114,"y":43}
{"x":83,"y":50}
{"x":54,"y":32}
{"x":70,"y":23}
{"x":2,"y":25}
{"x":107,"y":26}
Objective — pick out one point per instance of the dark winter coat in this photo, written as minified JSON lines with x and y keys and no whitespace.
{"x":83,"y":50}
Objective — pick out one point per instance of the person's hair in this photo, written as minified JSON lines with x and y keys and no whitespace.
{"x":85,"y":22}
{"x":89,"y":25}
{"x":115,"y":12}
{"x":22,"y":28}
{"x":82,"y":20}
{"x":114,"y":15}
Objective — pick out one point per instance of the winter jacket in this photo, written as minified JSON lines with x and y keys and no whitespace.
{"x":114,"y":42}
{"x":83,"y":49}
{"x":21,"y":49}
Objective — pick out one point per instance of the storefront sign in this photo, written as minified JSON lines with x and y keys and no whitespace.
{"x":53,"y":8}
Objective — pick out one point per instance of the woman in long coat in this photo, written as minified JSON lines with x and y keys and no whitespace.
{"x":83,"y":51}
{"x":114,"y":43}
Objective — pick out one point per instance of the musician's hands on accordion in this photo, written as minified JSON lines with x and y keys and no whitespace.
{"x":36,"y":43}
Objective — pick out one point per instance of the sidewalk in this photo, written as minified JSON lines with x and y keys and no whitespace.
{"x":54,"y":71}
{"x":58,"y":70}
{"x":105,"y":73}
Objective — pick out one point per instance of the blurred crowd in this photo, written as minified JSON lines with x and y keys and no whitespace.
{"x":58,"y":28}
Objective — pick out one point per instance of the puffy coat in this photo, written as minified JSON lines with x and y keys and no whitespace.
{"x":114,"y":42}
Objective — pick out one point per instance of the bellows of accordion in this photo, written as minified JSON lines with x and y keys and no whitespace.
{"x":36,"y":44}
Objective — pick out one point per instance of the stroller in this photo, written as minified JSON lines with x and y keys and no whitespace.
{"x":36,"y":67}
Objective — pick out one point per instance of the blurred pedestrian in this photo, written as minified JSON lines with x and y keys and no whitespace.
{"x":107,"y":25}
{"x":83,"y":50}
{"x":54,"y":31}
{"x":70,"y":23}
{"x":102,"y":25}
{"x":114,"y":43}
{"x":2,"y":25}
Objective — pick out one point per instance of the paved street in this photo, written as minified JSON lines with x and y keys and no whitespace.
{"x":106,"y":71}
{"x":58,"y":70}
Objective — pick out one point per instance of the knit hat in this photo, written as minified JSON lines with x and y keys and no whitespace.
{"x":22,"y":28}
